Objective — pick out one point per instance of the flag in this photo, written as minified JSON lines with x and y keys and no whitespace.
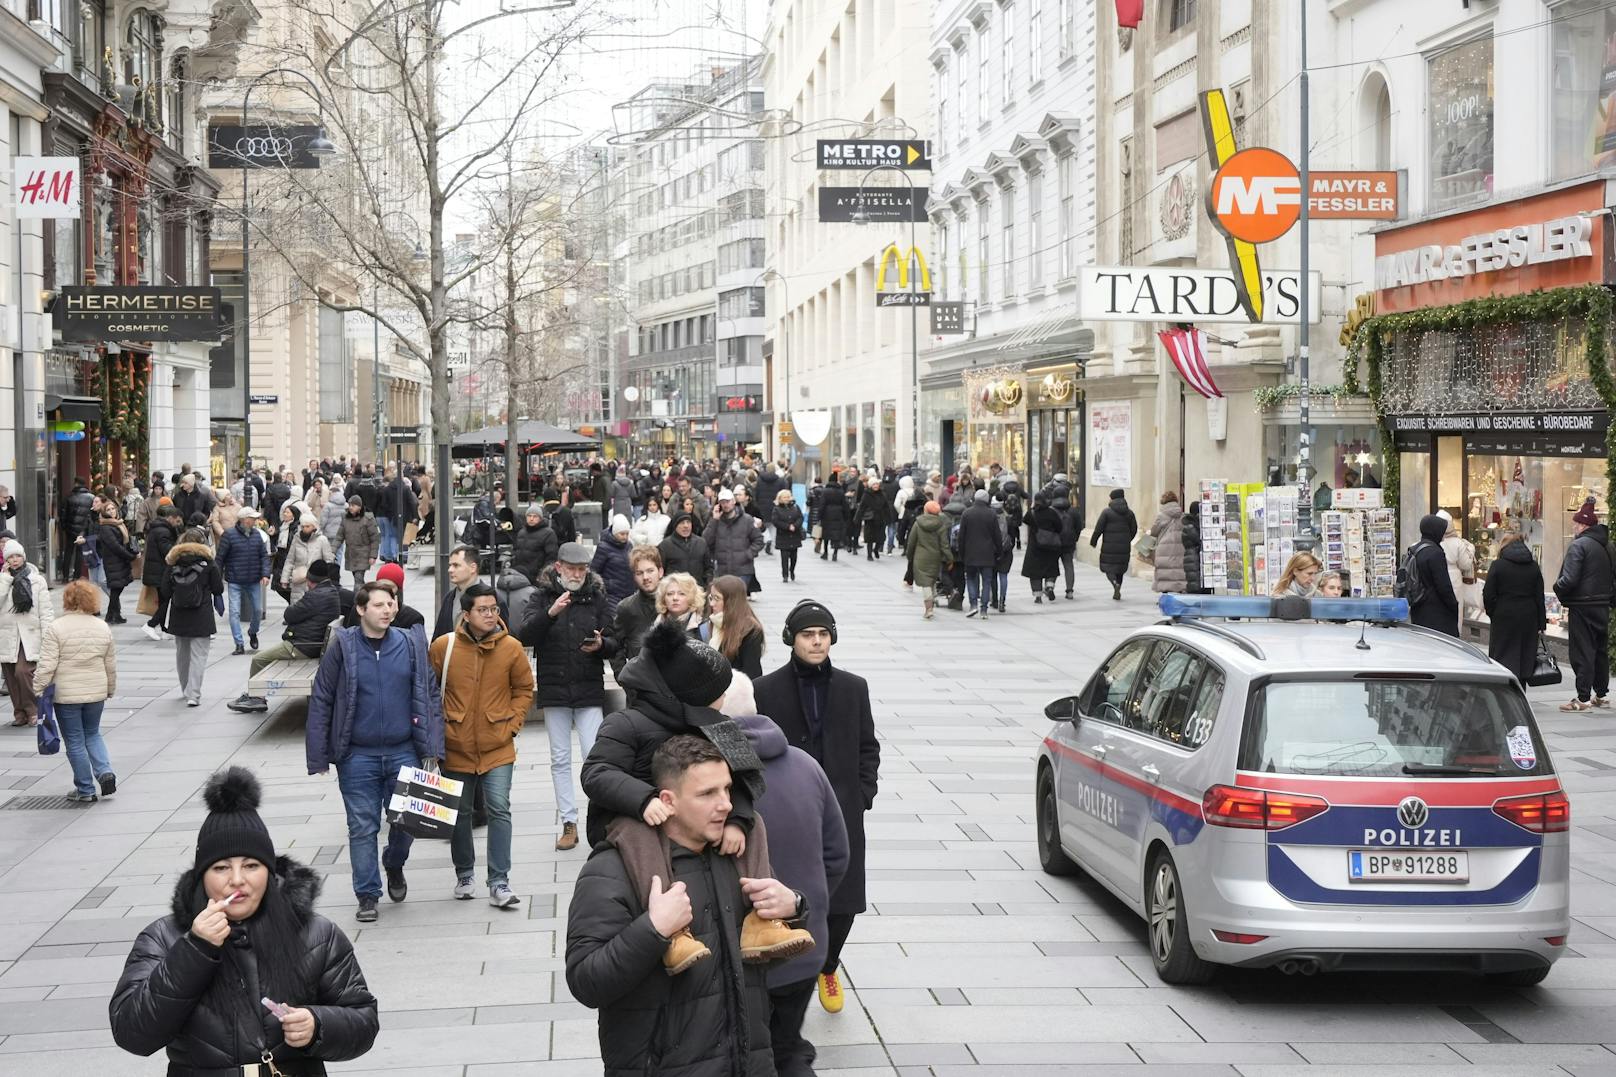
{"x":1185,"y":348}
{"x":1129,"y":12}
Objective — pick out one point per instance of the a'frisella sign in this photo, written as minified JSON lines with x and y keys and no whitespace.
{"x":1165,"y":294}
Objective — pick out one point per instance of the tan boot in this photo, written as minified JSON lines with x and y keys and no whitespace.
{"x":684,"y":950}
{"x":771,"y":940}
{"x":568,"y":838}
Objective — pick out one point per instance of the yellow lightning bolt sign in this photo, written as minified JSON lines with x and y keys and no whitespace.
{"x":1220,"y":146}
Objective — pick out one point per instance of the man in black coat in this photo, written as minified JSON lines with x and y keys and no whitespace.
{"x":826,"y":712}
{"x":161,"y":536}
{"x":714,"y":1017}
{"x":276,"y":494}
{"x":534,"y":545}
{"x":566,"y":625}
{"x":1587,"y":588}
{"x":1438,"y":607}
{"x":636,"y":613}
{"x":78,"y":519}
{"x":1113,"y":533}
{"x":981,"y":542}
{"x":462,"y":574}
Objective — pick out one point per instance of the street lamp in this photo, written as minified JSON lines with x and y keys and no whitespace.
{"x":861,"y":217}
{"x":319,"y":146}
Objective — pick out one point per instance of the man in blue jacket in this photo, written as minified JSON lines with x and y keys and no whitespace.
{"x":356,"y":722}
{"x":244,"y":557}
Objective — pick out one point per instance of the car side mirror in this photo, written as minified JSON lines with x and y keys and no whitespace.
{"x":1063,"y":709}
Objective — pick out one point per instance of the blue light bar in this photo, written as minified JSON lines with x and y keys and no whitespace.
{"x":1258,"y":607}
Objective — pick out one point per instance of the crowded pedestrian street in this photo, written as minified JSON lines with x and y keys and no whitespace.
{"x":969,"y":960}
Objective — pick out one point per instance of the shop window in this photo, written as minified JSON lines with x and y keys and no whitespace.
{"x":1461,"y":110}
{"x":1582,"y":83}
{"x":1180,"y":13}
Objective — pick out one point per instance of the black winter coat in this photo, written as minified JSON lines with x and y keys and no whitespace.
{"x":201,"y":1001}
{"x":630,"y":623}
{"x":1587,"y":576}
{"x":980,"y":543}
{"x":733,"y":542}
{"x":611,"y":564}
{"x":1438,"y":607}
{"x":160,"y":538}
{"x":788,"y":526}
{"x":833,"y":515}
{"x":617,"y":775}
{"x":846,"y":749}
{"x":1513,"y":599}
{"x":309,"y":617}
{"x":198,"y":622}
{"x":564,"y":675}
{"x":686,"y":555}
{"x":1038,"y":563}
{"x":1113,"y":533}
{"x":534,"y":549}
{"x":1190,"y":531}
{"x":117,"y":556}
{"x":78,"y":512}
{"x":650,"y":1022}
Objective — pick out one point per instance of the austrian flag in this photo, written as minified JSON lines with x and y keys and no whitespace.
{"x":1188,"y":352}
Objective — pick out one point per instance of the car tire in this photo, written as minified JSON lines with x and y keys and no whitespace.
{"x":1518,"y":977}
{"x":1167,"y":927}
{"x":1051,"y":857}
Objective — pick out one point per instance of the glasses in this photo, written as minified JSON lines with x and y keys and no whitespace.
{"x":485,"y":609}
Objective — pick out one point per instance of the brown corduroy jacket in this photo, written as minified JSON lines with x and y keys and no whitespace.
{"x":485,"y":699}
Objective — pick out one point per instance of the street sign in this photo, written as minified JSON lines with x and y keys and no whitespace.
{"x":880,"y":205}
{"x":902,"y":296}
{"x":948,"y":318}
{"x":870,"y":152}
{"x":263,"y":398}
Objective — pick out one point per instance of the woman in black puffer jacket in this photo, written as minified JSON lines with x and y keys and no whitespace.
{"x":243,"y":928}
{"x":117,"y":561}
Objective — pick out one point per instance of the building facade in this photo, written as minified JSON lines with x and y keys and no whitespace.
{"x":840,"y":71}
{"x":690,"y":262}
{"x":1012,"y":213}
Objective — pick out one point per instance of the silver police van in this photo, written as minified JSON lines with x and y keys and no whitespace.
{"x":1311,"y":785}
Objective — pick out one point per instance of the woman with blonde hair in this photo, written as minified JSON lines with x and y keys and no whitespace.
{"x":679,"y":598}
{"x":1298,"y":578}
{"x":732,"y":628}
{"x":77,"y":655}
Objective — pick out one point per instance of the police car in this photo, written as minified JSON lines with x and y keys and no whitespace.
{"x":1311,"y":786}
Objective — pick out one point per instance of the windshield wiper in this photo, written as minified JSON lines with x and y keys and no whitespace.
{"x":1447,"y":768}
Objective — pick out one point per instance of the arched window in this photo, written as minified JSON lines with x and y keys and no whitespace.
{"x":174,"y":101}
{"x":1375,"y":122}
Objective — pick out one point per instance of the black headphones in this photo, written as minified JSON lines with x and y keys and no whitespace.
{"x":789,"y":637}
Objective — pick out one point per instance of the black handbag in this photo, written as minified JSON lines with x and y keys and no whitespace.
{"x":1045,"y":539}
{"x":1545,"y":670}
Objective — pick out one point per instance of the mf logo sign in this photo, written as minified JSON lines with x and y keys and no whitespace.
{"x":1256,"y":196}
{"x":905,"y":295}
{"x":1245,"y":211}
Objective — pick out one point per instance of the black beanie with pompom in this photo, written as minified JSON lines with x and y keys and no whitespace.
{"x":696,"y":673}
{"x":233,"y":826}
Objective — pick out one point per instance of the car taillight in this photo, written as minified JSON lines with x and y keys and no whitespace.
{"x":1545,"y":813}
{"x":1237,"y":937}
{"x":1258,"y":809}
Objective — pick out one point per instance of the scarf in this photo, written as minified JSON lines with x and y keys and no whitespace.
{"x":22,"y":591}
{"x":813,"y":693}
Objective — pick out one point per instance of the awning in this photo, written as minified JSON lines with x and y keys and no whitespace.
{"x":532,"y":437}
{"x":80,"y":409}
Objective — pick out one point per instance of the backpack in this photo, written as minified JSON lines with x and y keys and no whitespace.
{"x":1410,"y":584}
{"x":1013,"y":506}
{"x":190,"y":585}
{"x":953,"y":539}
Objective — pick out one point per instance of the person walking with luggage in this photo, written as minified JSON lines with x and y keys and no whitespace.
{"x":566,"y":629}
{"x":1587,"y":589}
{"x":25,"y":613}
{"x":192,"y":591}
{"x":487,"y":690}
{"x":825,"y":711}
{"x":1113,"y":533}
{"x":78,"y":656}
{"x":243,"y":928}
{"x":244,"y":559}
{"x":1515,"y":606}
{"x":374,"y":709}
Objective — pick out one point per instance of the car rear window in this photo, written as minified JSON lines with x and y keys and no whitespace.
{"x":1392,"y":728}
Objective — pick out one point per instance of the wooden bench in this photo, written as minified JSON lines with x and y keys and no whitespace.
{"x":291,"y":678}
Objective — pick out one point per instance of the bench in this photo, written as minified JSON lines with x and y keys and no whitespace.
{"x":291,"y":678}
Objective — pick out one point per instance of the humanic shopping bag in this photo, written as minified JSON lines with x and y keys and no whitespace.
{"x":424,"y":803}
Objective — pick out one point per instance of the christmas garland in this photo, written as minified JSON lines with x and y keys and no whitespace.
{"x":1268,"y":397}
{"x":125,"y":382}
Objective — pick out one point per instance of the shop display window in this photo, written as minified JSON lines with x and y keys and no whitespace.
{"x":998,"y":443}
{"x":1343,"y":457}
{"x":1461,"y":111}
{"x":1534,"y":495}
{"x":1582,"y":79}
{"x":1057,"y":446}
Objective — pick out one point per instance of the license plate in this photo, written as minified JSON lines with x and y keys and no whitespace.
{"x":1381,"y":866}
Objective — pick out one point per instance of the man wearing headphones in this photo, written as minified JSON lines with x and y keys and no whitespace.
{"x":826,"y":712}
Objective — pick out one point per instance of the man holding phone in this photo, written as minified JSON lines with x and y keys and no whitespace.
{"x":565,"y":626}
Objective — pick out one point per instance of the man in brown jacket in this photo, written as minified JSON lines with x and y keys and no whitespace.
{"x":487,"y":689}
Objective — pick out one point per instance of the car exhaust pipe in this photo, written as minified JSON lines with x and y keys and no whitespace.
{"x":1309,"y":967}
{"x":1288,"y":967}
{"x":1305,"y":966}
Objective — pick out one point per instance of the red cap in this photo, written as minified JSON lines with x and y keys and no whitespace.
{"x":393,"y":573}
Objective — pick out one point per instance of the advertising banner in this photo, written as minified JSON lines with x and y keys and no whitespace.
{"x":880,"y":205}
{"x":88,"y":315}
{"x":1110,"y":442}
{"x":262,"y":145}
{"x":47,"y":188}
{"x":905,"y":153}
{"x":1175,"y":294}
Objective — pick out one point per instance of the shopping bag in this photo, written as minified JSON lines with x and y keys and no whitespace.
{"x":1545,"y":670}
{"x":147,"y":604}
{"x":1146,"y":549}
{"x":48,"y":732}
{"x":411,"y":529}
{"x":424,"y":803}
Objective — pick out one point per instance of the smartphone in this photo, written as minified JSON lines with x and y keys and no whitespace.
{"x":279,"y":1009}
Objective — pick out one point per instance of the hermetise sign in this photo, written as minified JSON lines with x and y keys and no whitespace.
{"x":1557,"y":240}
{"x":1162,"y":294}
{"x":120,"y":312}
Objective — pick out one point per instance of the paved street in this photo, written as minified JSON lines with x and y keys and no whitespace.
{"x":970,"y":961}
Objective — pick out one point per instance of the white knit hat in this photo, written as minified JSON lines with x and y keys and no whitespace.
{"x":619,"y":523}
{"x":12,"y":546}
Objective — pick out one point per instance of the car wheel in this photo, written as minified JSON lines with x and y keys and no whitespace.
{"x":1051,"y":857}
{"x":1167,"y":920}
{"x":1518,"y":977}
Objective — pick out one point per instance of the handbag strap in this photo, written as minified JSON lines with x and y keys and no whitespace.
{"x":443,"y":678}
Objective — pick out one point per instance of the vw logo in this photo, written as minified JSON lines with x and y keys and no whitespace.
{"x":1412,"y":812}
{"x":263,"y":147}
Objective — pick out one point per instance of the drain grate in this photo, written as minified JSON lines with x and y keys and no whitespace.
{"x":51,"y":803}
